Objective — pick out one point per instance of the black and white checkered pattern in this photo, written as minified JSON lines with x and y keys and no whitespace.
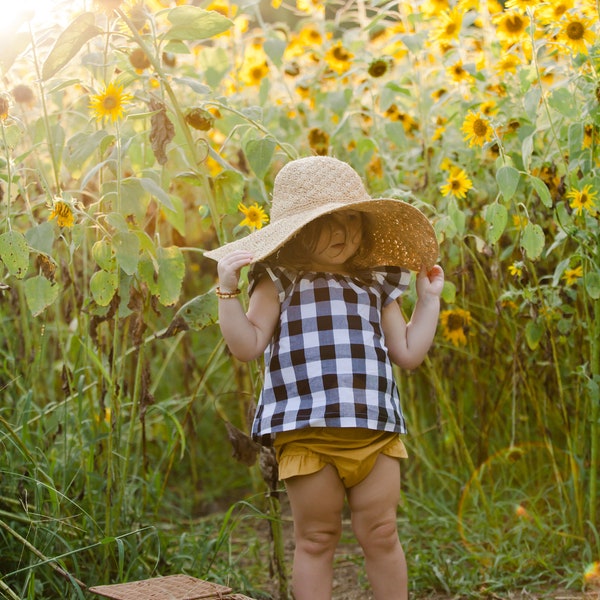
{"x":327,"y":364}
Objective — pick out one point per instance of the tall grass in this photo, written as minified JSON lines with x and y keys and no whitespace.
{"x":115,"y":382}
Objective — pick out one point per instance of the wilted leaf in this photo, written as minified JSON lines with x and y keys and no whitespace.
{"x":14,"y":253}
{"x":245,"y":449}
{"x":162,"y":130}
{"x":198,"y":313}
{"x":69,"y":43}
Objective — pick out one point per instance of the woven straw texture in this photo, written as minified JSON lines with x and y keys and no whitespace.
{"x":308,"y":188}
{"x":171,"y":587}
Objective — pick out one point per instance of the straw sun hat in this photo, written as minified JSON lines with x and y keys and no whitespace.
{"x":311,"y":187}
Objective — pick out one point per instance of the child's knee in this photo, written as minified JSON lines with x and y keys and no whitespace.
{"x":380,"y":535}
{"x":318,"y":542}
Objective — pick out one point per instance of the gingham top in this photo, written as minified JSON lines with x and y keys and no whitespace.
{"x":327,"y":364}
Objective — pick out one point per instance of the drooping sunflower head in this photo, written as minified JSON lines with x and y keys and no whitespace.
{"x":110,"y":103}
{"x":254,"y":216}
{"x":455,"y":325}
{"x":62,"y":211}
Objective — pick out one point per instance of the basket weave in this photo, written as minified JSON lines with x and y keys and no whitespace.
{"x":171,"y":587}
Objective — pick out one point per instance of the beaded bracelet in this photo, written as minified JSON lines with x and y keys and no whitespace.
{"x":226,"y":295}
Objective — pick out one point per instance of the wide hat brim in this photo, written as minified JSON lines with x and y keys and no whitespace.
{"x":400,"y":234}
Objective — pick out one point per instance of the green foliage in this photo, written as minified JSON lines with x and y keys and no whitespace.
{"x":145,"y":128}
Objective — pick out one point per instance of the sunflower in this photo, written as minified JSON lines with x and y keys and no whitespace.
{"x":575,"y":31}
{"x":583,"y":200}
{"x":516,"y":269}
{"x":449,"y":28}
{"x":254,"y":71}
{"x":457,"y":72}
{"x":435,"y":7}
{"x":338,"y":58}
{"x":553,"y":11}
{"x":110,"y":102}
{"x":477,"y":129}
{"x":511,"y":26}
{"x":457,"y":183}
{"x":254,"y":216}
{"x":455,"y":325}
{"x":63,"y":213}
{"x":571,"y":276}
{"x":522,"y":4}
{"x":508,"y":63}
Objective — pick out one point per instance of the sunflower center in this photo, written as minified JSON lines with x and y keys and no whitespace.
{"x":514,"y":24}
{"x":575,"y":31}
{"x":480,"y":128}
{"x":110,"y":102}
{"x":455,"y":322}
{"x":455,"y":184}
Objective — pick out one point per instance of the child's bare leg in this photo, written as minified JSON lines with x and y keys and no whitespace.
{"x":316,"y":501}
{"x":373,"y":503}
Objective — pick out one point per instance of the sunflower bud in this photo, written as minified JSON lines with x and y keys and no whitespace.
{"x":380,"y":66}
{"x":139,"y":60}
{"x":3,"y":107}
{"x":23,"y":94}
{"x":318,"y":141}
{"x":199,"y":119}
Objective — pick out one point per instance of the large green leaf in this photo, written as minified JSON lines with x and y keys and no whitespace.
{"x":39,"y":294}
{"x":11,"y":45}
{"x":171,"y":269}
{"x":127,"y":251}
{"x":14,"y":253}
{"x":533,"y":240}
{"x":194,"y":23}
{"x":103,"y":286}
{"x":542,"y":191}
{"x":508,"y":180}
{"x":592,"y":284}
{"x":69,"y":43}
{"x":259,"y":154}
{"x":496,"y":216}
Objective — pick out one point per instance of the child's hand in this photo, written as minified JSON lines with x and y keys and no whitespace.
{"x":430,"y":283}
{"x":229,"y":269}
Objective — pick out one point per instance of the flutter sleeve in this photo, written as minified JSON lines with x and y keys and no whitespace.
{"x":281,"y":277}
{"x":393,"y":282}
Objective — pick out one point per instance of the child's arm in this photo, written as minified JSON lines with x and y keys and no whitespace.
{"x":246,"y":334}
{"x":409,"y":343}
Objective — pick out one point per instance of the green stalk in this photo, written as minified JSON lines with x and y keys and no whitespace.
{"x":8,"y":175}
{"x":595,"y":415}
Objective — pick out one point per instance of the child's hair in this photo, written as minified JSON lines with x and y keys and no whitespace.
{"x":295,"y":253}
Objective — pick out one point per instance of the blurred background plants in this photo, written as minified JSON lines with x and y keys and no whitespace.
{"x":136,"y":134}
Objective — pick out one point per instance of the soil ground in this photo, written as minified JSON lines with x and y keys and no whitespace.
{"x":350,"y":582}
